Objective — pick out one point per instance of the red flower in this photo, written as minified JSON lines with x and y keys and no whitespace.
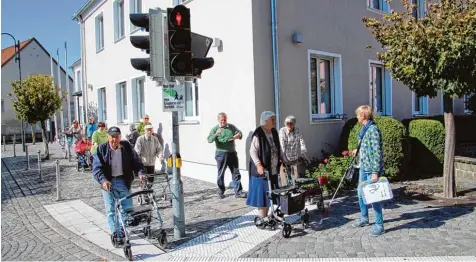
{"x":345,"y":153}
{"x":322,"y":180}
{"x":326,"y":160}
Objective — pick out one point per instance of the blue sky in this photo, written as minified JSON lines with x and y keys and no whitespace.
{"x":49,"y":21}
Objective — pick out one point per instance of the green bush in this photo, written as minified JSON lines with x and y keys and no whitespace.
{"x":393,"y":143}
{"x":428,"y":145}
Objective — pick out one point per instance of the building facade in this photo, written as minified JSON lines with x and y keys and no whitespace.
{"x":34,"y":60}
{"x":294,"y":59}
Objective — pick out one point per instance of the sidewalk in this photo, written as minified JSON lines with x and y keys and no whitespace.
{"x":221,"y":230}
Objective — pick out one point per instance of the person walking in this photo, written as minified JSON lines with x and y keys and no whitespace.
{"x":371,"y":166}
{"x":133,"y":135}
{"x":99,"y":137}
{"x":148,"y":148}
{"x":292,"y":149}
{"x":224,"y":136}
{"x":145,"y":121}
{"x":91,"y":127}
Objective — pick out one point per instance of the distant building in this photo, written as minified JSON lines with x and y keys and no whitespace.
{"x":34,"y":60}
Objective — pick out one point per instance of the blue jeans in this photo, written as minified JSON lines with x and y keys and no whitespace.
{"x":364,"y":210}
{"x":109,"y":202}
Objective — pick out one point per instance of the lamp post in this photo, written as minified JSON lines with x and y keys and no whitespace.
{"x":18,"y":59}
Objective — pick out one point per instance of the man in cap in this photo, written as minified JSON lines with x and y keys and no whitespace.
{"x":148,"y":148}
{"x":114,"y":166}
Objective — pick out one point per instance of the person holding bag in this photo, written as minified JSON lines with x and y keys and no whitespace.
{"x":371,"y":166}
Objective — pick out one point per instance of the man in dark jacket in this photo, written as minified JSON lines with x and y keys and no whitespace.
{"x":114,"y":165}
{"x":133,"y":135}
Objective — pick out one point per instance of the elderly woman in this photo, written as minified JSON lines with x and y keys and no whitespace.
{"x":371,"y":165}
{"x":293,"y":148}
{"x":99,"y":136}
{"x":76,"y":130}
{"x":265,"y":154}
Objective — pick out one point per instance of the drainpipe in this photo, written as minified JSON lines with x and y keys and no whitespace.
{"x":274,"y":38}
{"x":83,"y":71}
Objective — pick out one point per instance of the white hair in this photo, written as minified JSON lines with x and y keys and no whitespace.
{"x":265,"y":116}
{"x":290,"y":119}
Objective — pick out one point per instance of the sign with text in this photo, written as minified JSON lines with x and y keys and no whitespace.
{"x":173,"y":97}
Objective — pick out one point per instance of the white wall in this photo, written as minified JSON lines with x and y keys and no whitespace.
{"x":34,"y":60}
{"x":228,"y":86}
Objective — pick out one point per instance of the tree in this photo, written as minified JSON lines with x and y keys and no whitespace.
{"x":35,"y":99}
{"x":436,"y":52}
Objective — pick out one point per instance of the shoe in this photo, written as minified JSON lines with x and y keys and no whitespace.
{"x":241,"y":195}
{"x":221,"y":195}
{"x":376,"y":232}
{"x":360,"y":223}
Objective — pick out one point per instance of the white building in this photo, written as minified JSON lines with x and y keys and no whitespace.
{"x":34,"y":60}
{"x":263,"y":64}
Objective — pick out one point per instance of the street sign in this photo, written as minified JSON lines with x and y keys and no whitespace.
{"x":173,"y":97}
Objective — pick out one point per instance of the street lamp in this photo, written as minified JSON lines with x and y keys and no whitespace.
{"x":17,"y":58}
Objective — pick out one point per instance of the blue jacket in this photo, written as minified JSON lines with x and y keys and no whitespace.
{"x":90,"y":128}
{"x":130,"y":163}
{"x":371,"y":153}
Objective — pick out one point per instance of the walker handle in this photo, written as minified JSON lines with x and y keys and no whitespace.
{"x":142,"y":192}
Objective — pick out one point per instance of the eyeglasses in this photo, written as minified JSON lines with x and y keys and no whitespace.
{"x":290,"y":124}
{"x":146,"y":118}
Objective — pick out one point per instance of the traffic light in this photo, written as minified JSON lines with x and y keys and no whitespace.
{"x":200,"y":47}
{"x":152,"y":43}
{"x":180,"y":41}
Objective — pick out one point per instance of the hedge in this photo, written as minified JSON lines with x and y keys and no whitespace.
{"x":393,"y":143}
{"x":428,"y":145}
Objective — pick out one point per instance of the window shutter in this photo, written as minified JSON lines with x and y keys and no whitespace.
{"x":116,"y":18}
{"x":98,"y":35}
{"x":385,"y":6}
{"x":100,"y":109}
{"x":388,"y":93}
{"x":119,"y":103}
{"x":337,"y":87}
{"x":135,"y":106}
{"x":132,"y":10}
{"x":421,"y":8}
{"x":425,"y":105}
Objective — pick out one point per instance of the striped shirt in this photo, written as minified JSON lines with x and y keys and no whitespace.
{"x":148,"y":148}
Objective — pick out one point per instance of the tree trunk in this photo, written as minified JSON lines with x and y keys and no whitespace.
{"x":449,"y":184}
{"x":33,"y":135}
{"x":45,"y":140}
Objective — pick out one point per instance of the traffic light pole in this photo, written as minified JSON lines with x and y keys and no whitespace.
{"x":177,"y":184}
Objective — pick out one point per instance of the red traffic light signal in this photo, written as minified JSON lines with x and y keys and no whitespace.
{"x":179,"y":17}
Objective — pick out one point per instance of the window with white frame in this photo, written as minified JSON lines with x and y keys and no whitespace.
{"x":380,"y":89}
{"x":102,"y":104}
{"x":135,"y":7}
{"x":192,"y":103}
{"x":121,"y":97}
{"x":381,"y":5}
{"x":325,"y":85}
{"x":119,"y":31}
{"x":420,"y":105}
{"x":99,"y":22}
{"x":78,"y":80}
{"x":138,"y":98}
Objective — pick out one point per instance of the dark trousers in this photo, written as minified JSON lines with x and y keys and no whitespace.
{"x":230,"y":160}
{"x":149,"y":170}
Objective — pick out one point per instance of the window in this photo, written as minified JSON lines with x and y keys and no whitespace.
{"x":118,"y":20}
{"x":138,"y":98}
{"x":3,"y":106}
{"x":419,"y":9}
{"x":192,"y":101}
{"x":99,"y":33}
{"x":325,"y":85}
{"x":420,"y":105}
{"x":466,"y":99}
{"x":78,"y":80}
{"x":381,"y":5}
{"x":121,"y":97}
{"x":135,"y":6}
{"x":380,"y":89}
{"x":102,"y":105}
{"x":177,"y":2}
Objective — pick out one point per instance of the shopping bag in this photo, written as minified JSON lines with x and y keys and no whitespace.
{"x":375,"y":192}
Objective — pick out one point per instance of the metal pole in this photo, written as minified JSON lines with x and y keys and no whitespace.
{"x":19,"y":76}
{"x":39,"y":165}
{"x":27,"y":158}
{"x":14,"y":149}
{"x":177,"y":185}
{"x":55,"y":115}
{"x":60,"y":89}
{"x":68,"y":99}
{"x":4,"y":144}
{"x":58,"y":190}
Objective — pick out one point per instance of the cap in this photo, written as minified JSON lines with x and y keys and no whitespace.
{"x":114,"y":131}
{"x":148,"y":127}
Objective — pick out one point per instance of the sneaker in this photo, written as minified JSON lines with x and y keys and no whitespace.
{"x":241,"y":195}
{"x":376,"y":232}
{"x":221,"y":195}
{"x":360,"y":223}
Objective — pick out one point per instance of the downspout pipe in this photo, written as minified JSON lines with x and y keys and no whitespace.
{"x":83,"y":72}
{"x":274,"y":37}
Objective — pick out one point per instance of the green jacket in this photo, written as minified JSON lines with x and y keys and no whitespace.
{"x":98,"y":138}
{"x":223,"y":141}
{"x":140,"y":128}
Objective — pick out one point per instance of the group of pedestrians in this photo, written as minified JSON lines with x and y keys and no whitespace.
{"x":280,"y":152}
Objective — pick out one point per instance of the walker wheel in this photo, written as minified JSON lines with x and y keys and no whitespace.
{"x":128,"y":252}
{"x":305,"y":220}
{"x":259,"y":224}
{"x":162,"y":239}
{"x":114,"y":240}
{"x":286,"y":230}
{"x":320,"y":204}
{"x":140,"y":200}
{"x":147,"y":232}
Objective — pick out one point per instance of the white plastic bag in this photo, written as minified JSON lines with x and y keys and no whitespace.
{"x":376,"y":192}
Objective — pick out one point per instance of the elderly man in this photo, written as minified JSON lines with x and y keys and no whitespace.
{"x":292,"y":148}
{"x":141,"y":125}
{"x":148,"y":147}
{"x":114,"y":165}
{"x":224,"y":136}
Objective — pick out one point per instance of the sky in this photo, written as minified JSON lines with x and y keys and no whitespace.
{"x":49,"y":21}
